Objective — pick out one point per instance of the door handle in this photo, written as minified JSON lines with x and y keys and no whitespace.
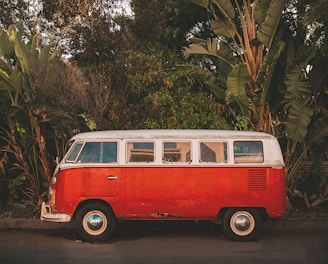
{"x":112,"y":177}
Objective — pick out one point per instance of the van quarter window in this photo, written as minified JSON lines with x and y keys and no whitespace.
{"x":140,"y":151}
{"x":248,"y":151}
{"x":176,"y":151}
{"x":215,"y":152}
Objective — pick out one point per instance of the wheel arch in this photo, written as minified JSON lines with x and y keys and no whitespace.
{"x":88,"y":201}
{"x":261,"y":211}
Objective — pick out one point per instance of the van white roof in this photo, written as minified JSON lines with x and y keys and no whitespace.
{"x":171,"y":133}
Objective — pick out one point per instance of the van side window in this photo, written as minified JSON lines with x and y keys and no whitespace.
{"x":140,"y":151}
{"x":176,"y":151}
{"x":215,"y":152}
{"x":98,"y":152}
{"x":248,"y":151}
{"x":109,"y":152}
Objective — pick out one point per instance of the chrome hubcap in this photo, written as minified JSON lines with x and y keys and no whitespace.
{"x":242,"y":223}
{"x":95,"y":222}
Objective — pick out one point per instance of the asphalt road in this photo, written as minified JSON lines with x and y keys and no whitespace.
{"x":162,"y":242}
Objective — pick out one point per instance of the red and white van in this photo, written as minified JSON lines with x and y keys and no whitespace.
{"x":234,"y":178}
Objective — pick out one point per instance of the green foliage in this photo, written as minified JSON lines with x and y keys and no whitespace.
{"x":303,"y":120}
{"x":182,"y":18}
{"x":318,"y":132}
{"x":182,"y":109}
{"x":244,"y":33}
{"x":172,"y":95}
{"x":18,"y":210}
{"x":21,"y":136}
{"x":14,"y":185}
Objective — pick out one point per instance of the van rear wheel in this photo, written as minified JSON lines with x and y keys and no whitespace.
{"x":241,"y":224}
{"x":95,"y":222}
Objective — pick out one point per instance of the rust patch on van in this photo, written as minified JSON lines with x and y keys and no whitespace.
{"x":164,"y":215}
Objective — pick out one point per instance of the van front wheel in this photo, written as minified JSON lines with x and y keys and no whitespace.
{"x":241,"y":224}
{"x":95,"y":222}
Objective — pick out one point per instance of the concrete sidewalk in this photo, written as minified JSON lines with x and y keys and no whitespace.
{"x":281,"y":224}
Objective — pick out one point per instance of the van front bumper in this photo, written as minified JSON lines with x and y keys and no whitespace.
{"x":46,"y":215}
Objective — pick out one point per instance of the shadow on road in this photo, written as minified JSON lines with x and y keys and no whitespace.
{"x":134,"y":230}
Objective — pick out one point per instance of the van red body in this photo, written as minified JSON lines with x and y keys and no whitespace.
{"x":168,"y":175}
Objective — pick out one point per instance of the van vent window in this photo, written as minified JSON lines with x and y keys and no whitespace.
{"x":176,"y":151}
{"x":140,"y":151}
{"x":248,"y":151}
{"x":214,"y":152}
{"x":74,"y":152}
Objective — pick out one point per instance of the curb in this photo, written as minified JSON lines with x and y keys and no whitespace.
{"x":23,"y":223}
{"x":281,"y":224}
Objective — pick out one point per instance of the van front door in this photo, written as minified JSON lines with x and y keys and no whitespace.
{"x":101,"y":182}
{"x":101,"y":170}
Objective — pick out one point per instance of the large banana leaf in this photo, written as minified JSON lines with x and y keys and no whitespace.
{"x":236,"y":96}
{"x":203,"y":3}
{"x":210,"y":47}
{"x":261,"y":8}
{"x":237,"y":80}
{"x":298,"y":119}
{"x":44,"y":55}
{"x":27,"y":56}
{"x":6,"y":47}
{"x":10,"y":82}
{"x":5,"y":66}
{"x":298,"y":94}
{"x":224,"y":27}
{"x":226,"y":8}
{"x":22,"y":51}
{"x":267,"y":14}
{"x":298,"y":88}
{"x":267,"y":69}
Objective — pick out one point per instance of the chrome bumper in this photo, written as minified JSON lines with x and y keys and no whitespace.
{"x":46,"y":215}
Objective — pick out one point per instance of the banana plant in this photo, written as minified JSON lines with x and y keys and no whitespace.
{"x":306,"y":122}
{"x":246,"y":31}
{"x":250,"y":43}
{"x":19,"y":60}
